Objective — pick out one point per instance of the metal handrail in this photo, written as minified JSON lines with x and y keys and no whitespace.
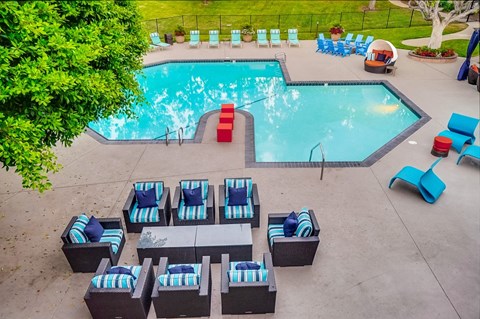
{"x":180,"y":136}
{"x":323,"y":157}
{"x":167,"y":133}
{"x":279,"y":55}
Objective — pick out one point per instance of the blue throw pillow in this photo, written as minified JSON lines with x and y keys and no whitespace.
{"x":237,"y":196}
{"x":290,"y":225}
{"x":93,"y":230}
{"x":146,"y":198}
{"x":120,"y":271}
{"x":381,"y":57}
{"x":182,"y":269}
{"x":247,"y":266}
{"x":193,"y":196}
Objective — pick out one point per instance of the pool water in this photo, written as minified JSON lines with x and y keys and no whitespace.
{"x":351,"y":121}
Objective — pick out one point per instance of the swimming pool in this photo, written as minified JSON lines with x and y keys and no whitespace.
{"x":351,"y":121}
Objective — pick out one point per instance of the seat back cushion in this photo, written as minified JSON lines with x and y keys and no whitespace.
{"x":113,"y":281}
{"x":185,"y":269}
{"x":194,"y":184}
{"x":305,"y":226}
{"x":113,"y":236}
{"x":179,"y":280}
{"x":143,"y":186}
{"x":290,"y":225}
{"x":237,"y":183}
{"x":247,"y":275}
{"x":77,"y":234}
{"x":93,"y":230}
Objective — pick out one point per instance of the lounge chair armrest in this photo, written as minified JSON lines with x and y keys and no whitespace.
{"x":111,"y":223}
{"x":267,"y":261}
{"x":65,"y":233}
{"x":316,"y":226}
{"x":221,"y":196}
{"x":255,"y":197}
{"x":103,"y":266}
{"x":144,"y":278}
{"x":205,"y":279}
{"x":176,"y":198}
{"x":211,"y":196}
{"x":224,"y":277}
{"x":278,"y":218}
{"x":129,"y":202}
{"x":163,"y":199}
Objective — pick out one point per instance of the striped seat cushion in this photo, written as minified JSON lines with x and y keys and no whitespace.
{"x":192,"y":212}
{"x":237,"y":183}
{"x":179,"y":280}
{"x":113,"y":236}
{"x":113,"y":281}
{"x":305,"y":227}
{"x":144,"y":186}
{"x":247,"y":275}
{"x":197,"y":268}
{"x":77,"y":234}
{"x":144,"y":215}
{"x":275,"y":231}
{"x":194,"y":184}
{"x":233,"y":264}
{"x":242,"y":211}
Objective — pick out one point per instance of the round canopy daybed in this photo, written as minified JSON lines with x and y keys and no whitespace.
{"x":380,"y":54}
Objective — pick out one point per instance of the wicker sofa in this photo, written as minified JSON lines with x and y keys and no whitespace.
{"x":248,"y":297}
{"x":85,"y":257}
{"x":293,"y":251}
{"x":183,"y":301}
{"x":377,"y":48}
{"x":107,"y":303}
{"x":252,"y":207}
{"x":209,"y":203}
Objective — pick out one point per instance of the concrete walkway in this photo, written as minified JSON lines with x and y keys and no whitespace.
{"x":384,"y":253}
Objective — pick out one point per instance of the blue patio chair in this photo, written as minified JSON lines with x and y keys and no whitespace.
{"x":275,"y":37}
{"x":461,"y":130}
{"x":342,"y":49}
{"x":156,"y":42}
{"x":262,"y":38}
{"x":213,"y":39}
{"x":330,"y":47}
{"x":321,"y":45}
{"x":429,"y":184}
{"x":236,"y":39}
{"x":347,"y":39}
{"x":472,"y":151}
{"x":293,"y":37}
{"x":362,"y":47}
{"x":321,"y":36}
{"x":194,"y":39}
{"x":359,"y":40}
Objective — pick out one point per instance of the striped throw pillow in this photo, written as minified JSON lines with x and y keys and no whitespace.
{"x":179,"y":280}
{"x":113,"y":281}
{"x":247,"y":275}
{"x":305,"y":227}
{"x":77,"y":234}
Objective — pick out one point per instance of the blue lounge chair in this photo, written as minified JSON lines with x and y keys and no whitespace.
{"x":342,"y":49}
{"x":330,"y":47}
{"x":213,"y":39}
{"x":275,"y":37}
{"x":362,"y":47}
{"x":359,"y":40}
{"x":321,"y":46}
{"x":429,"y":184}
{"x":262,"y":38}
{"x":472,"y":151}
{"x":236,"y":39}
{"x":156,"y":42}
{"x":347,"y":39}
{"x":461,"y":130}
{"x":293,"y":37}
{"x":194,"y":39}
{"x":321,"y":36}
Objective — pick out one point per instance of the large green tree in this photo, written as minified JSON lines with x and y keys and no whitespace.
{"x":62,"y":65}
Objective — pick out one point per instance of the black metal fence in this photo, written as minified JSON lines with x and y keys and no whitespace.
{"x":305,"y":23}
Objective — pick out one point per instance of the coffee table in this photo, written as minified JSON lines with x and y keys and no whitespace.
{"x":175,"y":242}
{"x":215,"y":240}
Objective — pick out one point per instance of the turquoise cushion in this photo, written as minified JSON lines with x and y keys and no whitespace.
{"x":113,"y":236}
{"x":113,"y":281}
{"x":143,"y":186}
{"x":179,"y":280}
{"x":242,"y":211}
{"x":192,"y":212}
{"x":275,"y":231}
{"x":305,"y":226}
{"x":247,"y":275}
{"x":144,"y":215}
{"x":194,"y":184}
{"x":77,"y":234}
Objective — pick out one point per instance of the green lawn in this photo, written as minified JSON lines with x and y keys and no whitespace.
{"x":309,"y":17}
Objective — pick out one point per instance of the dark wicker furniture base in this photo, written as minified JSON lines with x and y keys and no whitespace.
{"x":86,"y":257}
{"x":294,"y":251}
{"x":248,"y":297}
{"x":255,"y":221}
{"x":378,"y":69}
{"x":109,"y":303}
{"x":183,"y":301}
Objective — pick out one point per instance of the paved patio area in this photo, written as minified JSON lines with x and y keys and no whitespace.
{"x":384,"y":253}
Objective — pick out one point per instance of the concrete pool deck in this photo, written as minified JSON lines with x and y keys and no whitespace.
{"x":384,"y":253}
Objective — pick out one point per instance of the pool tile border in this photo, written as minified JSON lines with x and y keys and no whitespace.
{"x":250,"y":130}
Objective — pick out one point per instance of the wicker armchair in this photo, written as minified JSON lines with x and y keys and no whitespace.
{"x":209,"y":203}
{"x":85,"y":257}
{"x":108,"y":303}
{"x":293,"y":251}
{"x":248,"y":297}
{"x":252,"y":207}
{"x":131,"y":212}
{"x":183,"y":301}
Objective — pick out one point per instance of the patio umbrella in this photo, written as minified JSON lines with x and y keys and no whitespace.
{"x":462,"y":74}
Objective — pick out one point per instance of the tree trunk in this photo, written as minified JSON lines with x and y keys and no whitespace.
{"x":437,"y":33}
{"x":371,"y":4}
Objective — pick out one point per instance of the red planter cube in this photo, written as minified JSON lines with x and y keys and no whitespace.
{"x":228,"y":108}
{"x":227,"y":118}
{"x":224,"y":132}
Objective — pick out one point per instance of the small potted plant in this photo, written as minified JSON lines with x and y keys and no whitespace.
{"x":247,"y":33}
{"x":336,"y":31}
{"x":180,"y":34}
